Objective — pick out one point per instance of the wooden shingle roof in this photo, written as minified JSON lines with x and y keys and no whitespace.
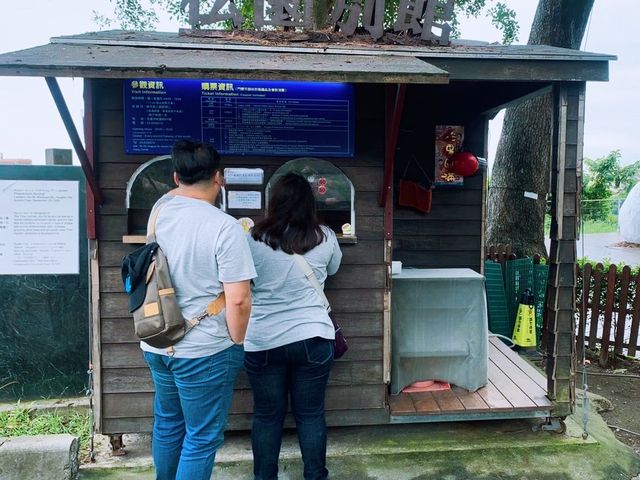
{"x":121,"y":54}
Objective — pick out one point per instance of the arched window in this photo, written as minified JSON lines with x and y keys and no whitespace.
{"x":333,"y":191}
{"x":148,"y":183}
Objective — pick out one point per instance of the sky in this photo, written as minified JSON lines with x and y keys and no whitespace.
{"x":30,"y":123}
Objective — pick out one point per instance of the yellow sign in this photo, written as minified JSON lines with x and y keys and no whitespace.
{"x":524,"y":331}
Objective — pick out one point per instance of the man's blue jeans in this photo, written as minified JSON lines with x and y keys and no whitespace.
{"x":299,"y":370}
{"x":190,"y":409}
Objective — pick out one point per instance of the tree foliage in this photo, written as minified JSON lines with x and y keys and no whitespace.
{"x":605,"y":180}
{"x":144,"y":14}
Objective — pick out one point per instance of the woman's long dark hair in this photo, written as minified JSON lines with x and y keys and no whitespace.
{"x":291,"y":224}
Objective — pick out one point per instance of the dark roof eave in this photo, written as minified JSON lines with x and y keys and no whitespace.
{"x":119,"y":54}
{"x":128,"y":62}
{"x":518,"y":71}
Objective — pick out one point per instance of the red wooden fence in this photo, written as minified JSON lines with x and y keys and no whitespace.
{"x":499,"y":253}
{"x":608,"y":305}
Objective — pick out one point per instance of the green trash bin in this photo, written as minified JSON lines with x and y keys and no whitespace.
{"x":496,"y":299}
{"x":504,"y":291}
{"x":540,"y":277}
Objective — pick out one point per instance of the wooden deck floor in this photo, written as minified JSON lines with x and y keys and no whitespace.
{"x":515,"y":390}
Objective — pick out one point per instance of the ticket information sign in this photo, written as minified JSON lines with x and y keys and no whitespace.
{"x":240,"y":117}
{"x":244,"y":200}
{"x":243,"y":176}
{"x":39,"y":225}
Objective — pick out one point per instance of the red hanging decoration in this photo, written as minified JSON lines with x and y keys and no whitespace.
{"x":464,"y":163}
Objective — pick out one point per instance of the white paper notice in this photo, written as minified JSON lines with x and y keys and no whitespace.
{"x":243,"y":176}
{"x":39,"y":227}
{"x":245,"y":200}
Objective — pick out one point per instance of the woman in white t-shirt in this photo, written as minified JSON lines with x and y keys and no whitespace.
{"x":289,"y":343}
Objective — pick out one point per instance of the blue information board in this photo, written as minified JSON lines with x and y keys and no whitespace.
{"x":240,"y":117}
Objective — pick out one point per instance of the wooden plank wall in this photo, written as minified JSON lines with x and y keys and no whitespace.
{"x":356,"y":393}
{"x":450,"y":236}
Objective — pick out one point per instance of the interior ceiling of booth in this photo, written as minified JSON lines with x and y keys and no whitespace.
{"x":118,"y":54}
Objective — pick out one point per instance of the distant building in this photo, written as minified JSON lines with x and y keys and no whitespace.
{"x":58,"y":156}
{"x":15,"y":161}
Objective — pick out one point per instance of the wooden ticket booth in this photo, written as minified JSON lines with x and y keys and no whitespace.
{"x":396,"y":99}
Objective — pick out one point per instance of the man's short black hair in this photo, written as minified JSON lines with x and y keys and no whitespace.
{"x":194,"y":161}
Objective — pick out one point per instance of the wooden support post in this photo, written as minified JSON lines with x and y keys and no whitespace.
{"x":386,"y":315}
{"x":568,"y":134}
{"x":395,"y":95}
{"x":393,"y":115}
{"x":96,"y":338}
{"x":85,"y":163}
{"x":88,"y":141}
{"x":485,"y":191}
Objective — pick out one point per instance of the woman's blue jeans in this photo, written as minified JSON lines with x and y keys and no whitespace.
{"x":190,"y":409}
{"x":299,"y":370}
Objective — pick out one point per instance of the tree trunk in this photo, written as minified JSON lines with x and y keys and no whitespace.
{"x":524,"y":152}
{"x":321,"y":9}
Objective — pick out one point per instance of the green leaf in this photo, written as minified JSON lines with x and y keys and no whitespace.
{"x":143,"y":15}
{"x":504,"y":19}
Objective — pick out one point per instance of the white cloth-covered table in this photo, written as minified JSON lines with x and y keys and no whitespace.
{"x":439,"y":328}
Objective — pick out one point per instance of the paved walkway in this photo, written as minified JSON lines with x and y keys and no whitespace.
{"x":487,"y":450}
{"x":600,"y":246}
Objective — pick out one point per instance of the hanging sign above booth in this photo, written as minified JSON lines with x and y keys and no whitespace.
{"x":428,"y":19}
{"x":240,"y":117}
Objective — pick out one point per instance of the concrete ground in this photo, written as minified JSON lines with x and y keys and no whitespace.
{"x":489,"y":450}
{"x":601,"y":246}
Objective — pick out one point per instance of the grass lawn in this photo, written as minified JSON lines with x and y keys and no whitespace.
{"x":589,"y":226}
{"x":23,"y":420}
{"x":593,"y":226}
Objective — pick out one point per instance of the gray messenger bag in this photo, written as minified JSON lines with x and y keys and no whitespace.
{"x":157,"y":317}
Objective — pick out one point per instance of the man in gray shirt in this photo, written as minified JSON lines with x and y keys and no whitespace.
{"x":208,"y":257}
